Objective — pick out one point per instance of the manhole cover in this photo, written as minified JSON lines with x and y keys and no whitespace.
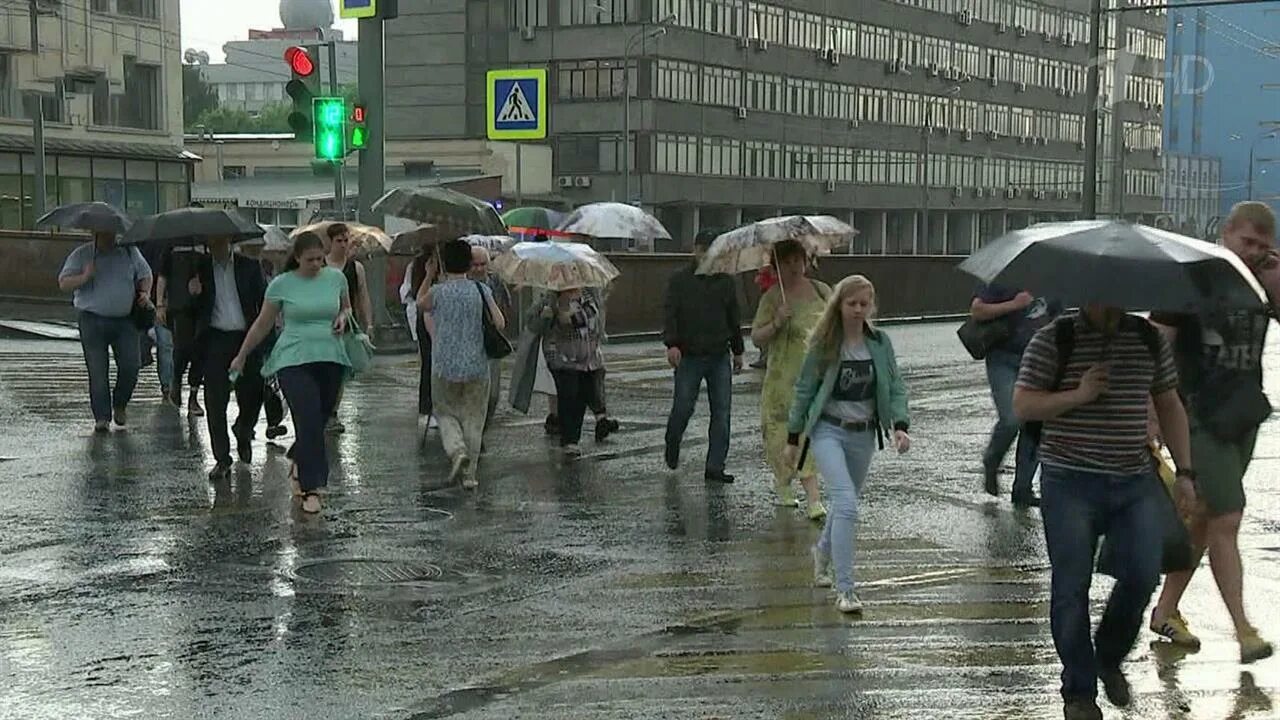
{"x":363,"y":572}
{"x":399,"y":515}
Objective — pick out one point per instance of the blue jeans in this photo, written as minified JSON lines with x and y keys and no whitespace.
{"x":164,"y":356}
{"x":690,"y":373}
{"x":99,"y":334}
{"x":842,"y":458}
{"x":1078,"y":507}
{"x":1002,"y":374}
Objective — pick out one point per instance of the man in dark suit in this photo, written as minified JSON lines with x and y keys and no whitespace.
{"x":229,"y":290}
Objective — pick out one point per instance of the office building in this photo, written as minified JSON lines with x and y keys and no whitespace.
{"x":932,"y":124}
{"x":109,"y":83}
{"x":1193,"y":194}
{"x":1223,"y":97}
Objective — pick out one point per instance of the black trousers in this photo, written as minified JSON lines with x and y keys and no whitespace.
{"x":183,"y":325}
{"x":220,"y":349}
{"x":424,"y":377}
{"x":576,"y":390}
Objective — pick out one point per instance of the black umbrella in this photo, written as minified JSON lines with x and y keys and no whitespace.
{"x":1119,"y":264}
{"x":91,"y":216}
{"x":192,"y":224}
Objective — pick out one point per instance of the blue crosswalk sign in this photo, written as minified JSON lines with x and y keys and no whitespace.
{"x":517,"y":104}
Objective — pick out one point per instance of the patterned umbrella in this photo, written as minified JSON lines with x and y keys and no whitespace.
{"x":534,"y":221}
{"x":555,"y":266}
{"x":495,"y":244}
{"x":91,"y":216}
{"x":275,"y":241}
{"x":614,"y":220}
{"x":365,"y":239}
{"x":451,"y":211}
{"x":750,"y":246}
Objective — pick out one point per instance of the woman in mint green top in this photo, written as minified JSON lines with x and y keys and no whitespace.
{"x":309,"y":359}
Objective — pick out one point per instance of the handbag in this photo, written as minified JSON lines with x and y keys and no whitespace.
{"x":496,"y":345}
{"x":143,"y":316}
{"x":358,"y":346}
{"x":1230,"y":404}
{"x":980,"y":337}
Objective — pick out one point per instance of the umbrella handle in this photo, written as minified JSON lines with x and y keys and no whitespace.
{"x":782,"y":288}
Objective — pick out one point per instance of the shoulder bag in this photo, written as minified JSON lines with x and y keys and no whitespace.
{"x":496,"y":345}
{"x":357,"y":344}
{"x":980,"y":337}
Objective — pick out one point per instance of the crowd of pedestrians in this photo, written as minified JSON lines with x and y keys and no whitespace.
{"x":1084,"y":396}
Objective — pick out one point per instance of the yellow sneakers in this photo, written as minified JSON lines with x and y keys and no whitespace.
{"x":1252,"y":647}
{"x":1174,"y":628}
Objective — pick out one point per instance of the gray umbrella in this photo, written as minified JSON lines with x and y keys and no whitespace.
{"x":1119,"y":264}
{"x":91,"y":216}
{"x":193,"y":224}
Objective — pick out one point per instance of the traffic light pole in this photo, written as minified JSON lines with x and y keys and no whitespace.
{"x":339,"y":184}
{"x":372,"y":82}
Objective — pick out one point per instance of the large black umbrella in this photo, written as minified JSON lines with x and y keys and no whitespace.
{"x":91,"y":216}
{"x":192,"y":224}
{"x":455,"y":214}
{"x":1119,"y":264}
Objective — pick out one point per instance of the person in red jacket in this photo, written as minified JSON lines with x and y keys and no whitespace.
{"x":766,"y":278}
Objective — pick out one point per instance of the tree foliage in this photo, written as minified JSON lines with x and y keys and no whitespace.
{"x":198,"y":97}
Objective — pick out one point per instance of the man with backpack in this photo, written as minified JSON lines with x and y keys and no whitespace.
{"x":1089,"y":377}
{"x":1220,"y":366}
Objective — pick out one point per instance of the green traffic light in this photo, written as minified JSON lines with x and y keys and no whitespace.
{"x":330,"y":123}
{"x":359,"y":138}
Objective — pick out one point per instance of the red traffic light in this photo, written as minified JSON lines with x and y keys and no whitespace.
{"x":299,"y":61}
{"x":357,"y":113}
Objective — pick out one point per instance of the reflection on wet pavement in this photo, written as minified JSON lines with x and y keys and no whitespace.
{"x":602,"y":588}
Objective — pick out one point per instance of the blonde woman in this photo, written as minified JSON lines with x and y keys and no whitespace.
{"x":848,"y":399}
{"x":784,"y":318}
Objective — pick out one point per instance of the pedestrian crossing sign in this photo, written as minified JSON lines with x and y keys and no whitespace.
{"x":517,"y":104}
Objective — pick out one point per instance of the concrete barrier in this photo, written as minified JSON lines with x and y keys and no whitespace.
{"x":907,"y":286}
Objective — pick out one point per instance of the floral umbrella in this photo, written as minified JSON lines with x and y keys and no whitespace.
{"x":750,"y":247}
{"x":365,"y":239}
{"x":410,"y":242}
{"x":495,"y":244}
{"x":555,"y":266}
{"x":534,"y":221}
{"x":614,"y":220}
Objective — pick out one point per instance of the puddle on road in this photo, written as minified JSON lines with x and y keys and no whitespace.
{"x":827,"y":616}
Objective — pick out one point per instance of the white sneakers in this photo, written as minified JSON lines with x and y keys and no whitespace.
{"x":848,"y":602}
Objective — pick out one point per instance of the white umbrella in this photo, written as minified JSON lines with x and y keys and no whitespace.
{"x":555,"y":266}
{"x":750,"y":247}
{"x":614,"y":220}
{"x":276,"y":240}
{"x":493,"y":243}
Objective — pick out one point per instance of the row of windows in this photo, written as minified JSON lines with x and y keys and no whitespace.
{"x":593,"y":79}
{"x":694,"y":155}
{"x":1147,"y":183}
{"x":1144,"y":43}
{"x":761,"y":21}
{"x":709,"y":85}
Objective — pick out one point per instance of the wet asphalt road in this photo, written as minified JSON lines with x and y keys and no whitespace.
{"x":602,"y":588}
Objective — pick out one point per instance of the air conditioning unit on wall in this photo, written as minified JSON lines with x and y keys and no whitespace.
{"x":564,"y":181}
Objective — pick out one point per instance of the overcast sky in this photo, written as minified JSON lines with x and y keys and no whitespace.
{"x":207,"y":24}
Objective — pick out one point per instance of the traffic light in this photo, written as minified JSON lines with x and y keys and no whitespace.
{"x":302,"y":90}
{"x":330,"y":115}
{"x":359,"y":133}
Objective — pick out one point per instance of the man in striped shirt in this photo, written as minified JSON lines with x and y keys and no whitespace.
{"x":1097,"y":479}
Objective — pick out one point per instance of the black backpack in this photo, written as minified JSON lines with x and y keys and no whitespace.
{"x":1064,"y":338}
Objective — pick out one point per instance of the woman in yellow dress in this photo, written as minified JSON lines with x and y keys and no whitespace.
{"x":784,"y":318}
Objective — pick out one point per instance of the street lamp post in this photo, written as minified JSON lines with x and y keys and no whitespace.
{"x":1253,"y":148}
{"x":644,"y":33}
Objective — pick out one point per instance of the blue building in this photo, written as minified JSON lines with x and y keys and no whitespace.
{"x":1222,"y":99}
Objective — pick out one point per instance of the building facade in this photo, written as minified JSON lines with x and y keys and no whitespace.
{"x":254,"y":74}
{"x":108,"y":79}
{"x":1222,"y":97}
{"x":933,"y":125}
{"x":1193,"y":195}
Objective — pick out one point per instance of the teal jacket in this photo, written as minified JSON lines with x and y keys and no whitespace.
{"x":814,"y":389}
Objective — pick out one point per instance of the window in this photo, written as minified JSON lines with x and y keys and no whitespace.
{"x":530,"y":13}
{"x":763,"y":159}
{"x":140,"y":105}
{"x":721,"y":156}
{"x":765,"y":92}
{"x":721,"y":86}
{"x":676,"y":80}
{"x":805,"y":31}
{"x":591,"y":79}
{"x":611,"y":153}
{"x":102,"y":6}
{"x":577,"y":154}
{"x":803,"y":97}
{"x":675,"y":154}
{"x":766,"y":23}
{"x":137,"y":8}
{"x":595,"y":12}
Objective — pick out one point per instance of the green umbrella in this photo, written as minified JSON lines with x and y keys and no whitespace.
{"x":530,"y":220}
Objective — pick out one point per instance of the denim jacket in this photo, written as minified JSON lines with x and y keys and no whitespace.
{"x":815,"y":384}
